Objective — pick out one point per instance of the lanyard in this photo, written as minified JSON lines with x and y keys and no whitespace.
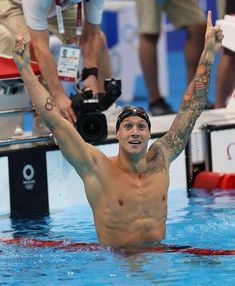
{"x":60,"y":20}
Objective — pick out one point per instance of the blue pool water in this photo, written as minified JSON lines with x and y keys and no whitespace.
{"x":202,"y":221}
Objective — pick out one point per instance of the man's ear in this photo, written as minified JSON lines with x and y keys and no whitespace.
{"x":117,"y":135}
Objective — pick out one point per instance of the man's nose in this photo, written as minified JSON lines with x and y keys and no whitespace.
{"x":135,"y":132}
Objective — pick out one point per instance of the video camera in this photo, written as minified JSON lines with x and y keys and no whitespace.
{"x":88,"y":106}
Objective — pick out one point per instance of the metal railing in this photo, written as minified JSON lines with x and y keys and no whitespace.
{"x":16,"y":111}
{"x":23,"y":139}
{"x":26,"y":139}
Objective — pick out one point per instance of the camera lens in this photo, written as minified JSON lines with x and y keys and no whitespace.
{"x":92,"y":126}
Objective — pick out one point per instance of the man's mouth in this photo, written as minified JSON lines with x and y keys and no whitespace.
{"x":135,"y":142}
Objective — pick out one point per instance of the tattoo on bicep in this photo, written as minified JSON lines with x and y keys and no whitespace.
{"x":50,"y":104}
{"x":156,"y":158}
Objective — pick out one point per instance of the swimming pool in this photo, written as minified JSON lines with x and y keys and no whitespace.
{"x":202,"y":221}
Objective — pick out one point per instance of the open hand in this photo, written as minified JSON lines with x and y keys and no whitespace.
{"x":214,"y":35}
{"x":64,"y":105}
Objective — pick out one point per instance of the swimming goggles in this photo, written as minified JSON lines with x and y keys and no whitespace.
{"x":132,"y":111}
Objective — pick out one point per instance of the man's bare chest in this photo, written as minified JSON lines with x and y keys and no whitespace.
{"x":136,"y":193}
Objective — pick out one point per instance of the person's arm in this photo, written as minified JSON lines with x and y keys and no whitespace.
{"x":90,"y":42}
{"x":48,"y":68}
{"x":80,"y":154}
{"x":91,"y":39}
{"x":194,"y":99}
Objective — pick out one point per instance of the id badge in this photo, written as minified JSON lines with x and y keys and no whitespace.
{"x":68,"y":63}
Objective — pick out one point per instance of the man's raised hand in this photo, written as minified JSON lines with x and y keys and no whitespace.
{"x":213,"y":36}
{"x":20,"y":52}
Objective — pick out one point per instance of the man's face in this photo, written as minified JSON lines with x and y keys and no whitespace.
{"x":133,"y":135}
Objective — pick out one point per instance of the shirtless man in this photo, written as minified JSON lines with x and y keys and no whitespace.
{"x":127,"y":192}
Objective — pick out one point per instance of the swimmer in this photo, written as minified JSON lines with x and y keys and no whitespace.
{"x":127,"y":192}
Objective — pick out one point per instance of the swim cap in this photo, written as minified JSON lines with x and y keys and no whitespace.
{"x":132,"y":111}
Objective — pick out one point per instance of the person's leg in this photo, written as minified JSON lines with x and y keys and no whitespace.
{"x":225,"y":78}
{"x":104,"y":64}
{"x":12,"y":22}
{"x":12,"y":18}
{"x":6,"y":44}
{"x":187,"y":14}
{"x":149,"y":18}
{"x":6,"y":41}
{"x":193,"y":47}
{"x":220,"y":5}
{"x":148,"y":61}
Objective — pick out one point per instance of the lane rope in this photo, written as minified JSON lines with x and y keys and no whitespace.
{"x":83,"y":246}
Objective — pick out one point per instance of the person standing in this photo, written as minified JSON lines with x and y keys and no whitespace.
{"x":37,"y":19}
{"x":182,"y":14}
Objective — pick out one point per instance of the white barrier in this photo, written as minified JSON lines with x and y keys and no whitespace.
{"x":228,"y":26}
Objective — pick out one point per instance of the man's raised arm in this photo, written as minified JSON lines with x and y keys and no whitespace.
{"x":76,"y":151}
{"x":195,"y":97}
{"x":39,"y":96}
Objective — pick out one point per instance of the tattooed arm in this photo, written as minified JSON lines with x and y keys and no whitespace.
{"x":194,"y":99}
{"x":80,"y":154}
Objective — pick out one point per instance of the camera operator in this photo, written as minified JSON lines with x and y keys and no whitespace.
{"x":37,"y":19}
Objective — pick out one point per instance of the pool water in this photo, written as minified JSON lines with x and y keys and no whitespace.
{"x":202,"y":220}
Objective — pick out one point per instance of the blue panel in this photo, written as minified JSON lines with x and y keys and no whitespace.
{"x":176,"y":39}
{"x":110,"y":27}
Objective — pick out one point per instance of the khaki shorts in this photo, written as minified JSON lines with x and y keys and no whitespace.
{"x":11,"y":17}
{"x":180,"y":13}
{"x":220,"y":8}
{"x":6,"y":41}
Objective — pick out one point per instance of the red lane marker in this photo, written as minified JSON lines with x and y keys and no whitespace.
{"x":82,"y":246}
{"x":201,"y":251}
{"x":31,"y":242}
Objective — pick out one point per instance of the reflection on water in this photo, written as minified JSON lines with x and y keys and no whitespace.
{"x":31,"y":227}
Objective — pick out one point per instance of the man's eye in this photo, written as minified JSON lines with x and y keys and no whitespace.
{"x":127,"y":126}
{"x":142,"y":126}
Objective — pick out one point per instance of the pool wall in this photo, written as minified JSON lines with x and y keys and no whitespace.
{"x":38,"y":180}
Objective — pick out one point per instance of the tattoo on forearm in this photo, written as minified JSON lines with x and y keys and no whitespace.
{"x":23,"y":62}
{"x":202,"y":78}
{"x":194,"y":101}
{"x":195,"y":97}
{"x":21,"y":66}
{"x":50,"y":104}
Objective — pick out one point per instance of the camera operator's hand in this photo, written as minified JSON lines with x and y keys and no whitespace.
{"x":91,"y":83}
{"x":64,"y":105}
